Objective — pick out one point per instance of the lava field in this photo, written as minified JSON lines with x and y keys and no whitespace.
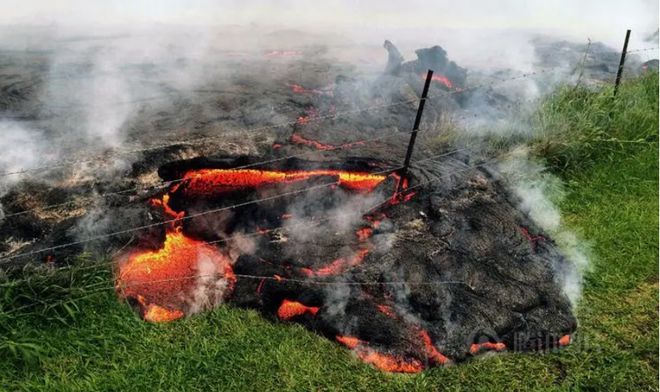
{"x":307,"y":219}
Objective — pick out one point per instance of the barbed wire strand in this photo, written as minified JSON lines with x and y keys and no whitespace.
{"x":58,"y":164}
{"x":279,"y":279}
{"x":63,"y":163}
{"x":302,"y":224}
{"x":642,"y":50}
{"x":4,"y":260}
{"x":345,"y":146}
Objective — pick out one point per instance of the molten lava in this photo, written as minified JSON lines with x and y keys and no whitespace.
{"x":290,"y":309}
{"x":431,"y":351}
{"x":441,"y":79}
{"x":161,"y":279}
{"x":158,"y":314}
{"x":342,"y":264}
{"x":386,"y":362}
{"x":478,"y":347}
{"x":386,"y":310}
{"x":209,"y":182}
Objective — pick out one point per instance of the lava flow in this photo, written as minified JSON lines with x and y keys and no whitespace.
{"x":290,"y":309}
{"x":216,"y":181}
{"x":442,"y":80}
{"x":386,"y":362}
{"x":164,"y":281}
{"x":478,"y":347}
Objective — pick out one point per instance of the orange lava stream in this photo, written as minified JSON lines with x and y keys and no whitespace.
{"x":364,"y":233}
{"x":213,"y":181}
{"x":165,"y":204}
{"x":386,"y":310}
{"x":441,"y":79}
{"x":341,"y":265}
{"x":386,"y":362}
{"x":290,"y":309}
{"x":158,"y":278}
{"x":158,"y":314}
{"x":477,"y":347}
{"x":431,"y":351}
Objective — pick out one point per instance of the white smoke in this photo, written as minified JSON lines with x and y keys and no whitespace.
{"x":20,"y":148}
{"x":211,"y":283}
{"x":540,"y":192}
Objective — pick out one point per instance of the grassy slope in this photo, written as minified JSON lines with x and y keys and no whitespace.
{"x":97,"y":343}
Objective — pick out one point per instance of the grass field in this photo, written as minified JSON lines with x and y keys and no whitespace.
{"x":606,"y":152}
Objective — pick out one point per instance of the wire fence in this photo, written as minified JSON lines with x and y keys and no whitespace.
{"x":66,"y":162}
{"x":322,"y":282}
{"x":162,"y":184}
{"x":5,"y":259}
{"x":118,"y":152}
{"x":62,"y":163}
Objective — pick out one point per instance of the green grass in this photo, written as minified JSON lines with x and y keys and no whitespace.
{"x":95,"y":342}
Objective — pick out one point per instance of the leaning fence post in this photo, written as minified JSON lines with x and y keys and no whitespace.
{"x":619,"y":72}
{"x":413,"y":134}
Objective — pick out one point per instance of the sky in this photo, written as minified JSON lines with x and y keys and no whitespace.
{"x":584,"y":15}
{"x":364,"y":20}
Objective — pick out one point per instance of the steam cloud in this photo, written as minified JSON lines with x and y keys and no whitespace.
{"x":97,"y":83}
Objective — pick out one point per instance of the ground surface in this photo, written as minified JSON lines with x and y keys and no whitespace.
{"x":91,"y":341}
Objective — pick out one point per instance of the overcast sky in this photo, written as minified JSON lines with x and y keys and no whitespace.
{"x":604,"y":20}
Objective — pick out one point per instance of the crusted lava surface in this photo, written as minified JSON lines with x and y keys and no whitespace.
{"x":446,"y":269}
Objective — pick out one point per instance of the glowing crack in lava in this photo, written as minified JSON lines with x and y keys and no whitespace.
{"x":442,"y":80}
{"x":478,"y":347}
{"x":166,"y":282}
{"x":216,"y":181}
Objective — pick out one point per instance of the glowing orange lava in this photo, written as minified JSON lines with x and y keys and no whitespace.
{"x":214,"y":181}
{"x":159,"y":279}
{"x":386,"y":310}
{"x":441,"y":79}
{"x":342,"y":264}
{"x":431,"y":351}
{"x":386,"y":362}
{"x":290,"y":309}
{"x":364,"y":233}
{"x":477,"y":347}
{"x":157,"y":314}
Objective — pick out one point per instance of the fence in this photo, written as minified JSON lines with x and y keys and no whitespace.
{"x":334,"y":115}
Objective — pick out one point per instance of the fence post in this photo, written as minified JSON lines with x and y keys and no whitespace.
{"x":413,"y":134}
{"x":619,"y":72}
